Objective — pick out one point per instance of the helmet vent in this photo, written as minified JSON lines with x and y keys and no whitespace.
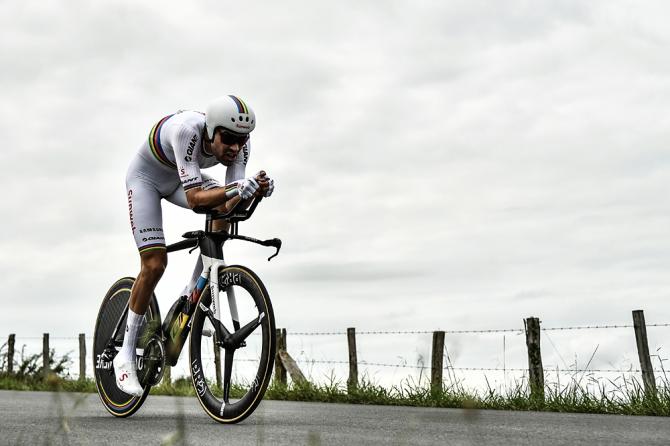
{"x":247,"y":119}
{"x":241,"y":119}
{"x":232,"y":119}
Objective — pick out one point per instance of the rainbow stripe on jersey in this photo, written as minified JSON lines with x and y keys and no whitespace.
{"x":155,"y":143}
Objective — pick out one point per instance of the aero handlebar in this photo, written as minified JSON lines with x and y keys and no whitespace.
{"x":193,"y":238}
{"x":234,"y":215}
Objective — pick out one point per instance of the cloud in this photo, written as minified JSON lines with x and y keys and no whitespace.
{"x":447,"y":157}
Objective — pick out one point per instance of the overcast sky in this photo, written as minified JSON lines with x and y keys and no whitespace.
{"x":438,"y":165}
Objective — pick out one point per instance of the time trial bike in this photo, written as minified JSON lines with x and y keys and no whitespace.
{"x":244,"y":330}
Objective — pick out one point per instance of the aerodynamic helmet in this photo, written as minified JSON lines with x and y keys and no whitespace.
{"x":231,"y":113}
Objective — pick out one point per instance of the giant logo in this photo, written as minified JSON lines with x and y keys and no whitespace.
{"x":148,"y":239}
{"x":191,"y":148}
{"x":245,"y":151}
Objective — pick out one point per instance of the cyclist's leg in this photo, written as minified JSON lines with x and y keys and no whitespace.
{"x":144,"y":205}
{"x":146,"y":223}
{"x":153,"y":264}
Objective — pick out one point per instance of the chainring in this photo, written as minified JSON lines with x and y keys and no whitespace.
{"x":150,"y":371}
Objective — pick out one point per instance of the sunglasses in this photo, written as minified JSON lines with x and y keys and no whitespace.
{"x":230,"y":138}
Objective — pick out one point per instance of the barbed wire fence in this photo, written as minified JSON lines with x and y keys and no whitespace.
{"x":518,"y":331}
{"x":439,"y":352}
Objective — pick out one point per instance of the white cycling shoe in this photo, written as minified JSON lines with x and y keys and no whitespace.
{"x":126,"y":376}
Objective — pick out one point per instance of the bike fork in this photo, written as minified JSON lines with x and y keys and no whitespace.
{"x":232,"y":303}
{"x":211,"y":267}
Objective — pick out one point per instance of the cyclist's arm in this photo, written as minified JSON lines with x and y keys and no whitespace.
{"x":236,"y":171}
{"x":222,"y":198}
{"x":218,"y":197}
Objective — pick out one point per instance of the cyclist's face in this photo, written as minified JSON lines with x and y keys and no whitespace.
{"x":225,"y":153}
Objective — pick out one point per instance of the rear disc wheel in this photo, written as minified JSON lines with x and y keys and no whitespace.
{"x":118,"y":403}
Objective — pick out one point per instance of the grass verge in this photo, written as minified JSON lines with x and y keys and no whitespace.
{"x":624,"y":395}
{"x":628,"y":399}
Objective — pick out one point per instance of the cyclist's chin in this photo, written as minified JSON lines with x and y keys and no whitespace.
{"x":225,"y":161}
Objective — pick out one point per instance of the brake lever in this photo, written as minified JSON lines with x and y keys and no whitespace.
{"x":275,"y":242}
{"x":195,"y":247}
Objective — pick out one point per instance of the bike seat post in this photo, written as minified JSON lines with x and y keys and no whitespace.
{"x":233,"y":228}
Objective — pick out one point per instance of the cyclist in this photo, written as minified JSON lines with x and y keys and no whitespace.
{"x":167,"y":166}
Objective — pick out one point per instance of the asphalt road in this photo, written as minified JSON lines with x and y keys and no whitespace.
{"x":50,"y":418}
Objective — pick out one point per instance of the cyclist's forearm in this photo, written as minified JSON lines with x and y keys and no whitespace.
{"x":211,"y":198}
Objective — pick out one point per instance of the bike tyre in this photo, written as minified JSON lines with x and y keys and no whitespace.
{"x":113,"y":399}
{"x":237,"y":411}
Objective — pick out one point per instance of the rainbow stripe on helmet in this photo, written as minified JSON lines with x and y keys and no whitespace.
{"x":241,"y":106}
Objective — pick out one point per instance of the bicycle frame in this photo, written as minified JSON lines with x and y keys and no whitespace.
{"x":211,"y":251}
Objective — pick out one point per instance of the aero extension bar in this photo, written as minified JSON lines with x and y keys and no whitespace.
{"x":193,"y":238}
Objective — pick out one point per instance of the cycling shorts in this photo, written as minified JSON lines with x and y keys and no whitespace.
{"x":146,"y":185}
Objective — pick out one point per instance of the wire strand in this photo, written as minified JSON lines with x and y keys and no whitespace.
{"x":403,"y":332}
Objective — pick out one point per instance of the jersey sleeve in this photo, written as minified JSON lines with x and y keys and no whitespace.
{"x":186,"y":141}
{"x":237,"y":169}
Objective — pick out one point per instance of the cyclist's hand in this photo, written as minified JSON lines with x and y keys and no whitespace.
{"x":270,"y":188}
{"x":266,"y":184}
{"x":247,"y":187}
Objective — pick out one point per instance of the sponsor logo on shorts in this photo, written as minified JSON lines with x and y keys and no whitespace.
{"x":142,"y":231}
{"x":130,"y":210}
{"x":148,"y":239}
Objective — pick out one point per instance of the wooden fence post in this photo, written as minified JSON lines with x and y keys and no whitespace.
{"x":45,"y":355}
{"x":10,"y":353}
{"x":535,"y":369}
{"x":280,"y":370}
{"x":217,"y":361}
{"x":437,"y":363}
{"x":352,"y":382}
{"x":292,"y":368}
{"x":640,"y":328}
{"x":82,"y":356}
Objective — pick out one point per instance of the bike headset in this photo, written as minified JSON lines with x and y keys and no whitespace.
{"x":233,"y":117}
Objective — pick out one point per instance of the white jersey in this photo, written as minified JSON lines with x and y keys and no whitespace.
{"x":174,"y":152}
{"x":167,"y":165}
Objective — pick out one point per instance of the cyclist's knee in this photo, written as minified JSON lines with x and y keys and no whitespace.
{"x":154,"y":263}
